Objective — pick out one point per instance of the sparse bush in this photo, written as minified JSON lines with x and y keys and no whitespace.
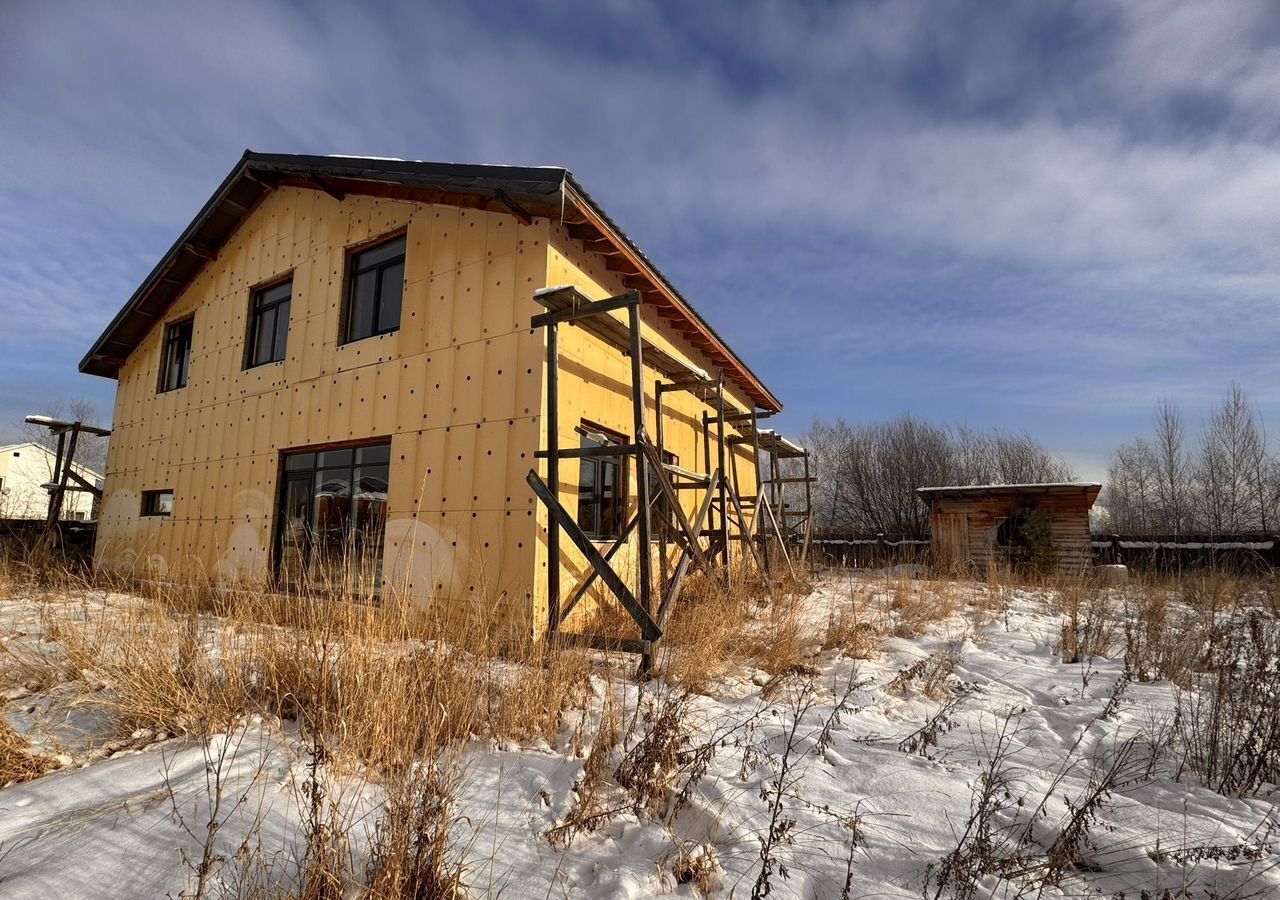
{"x":1089,"y":622}
{"x":928,"y":676}
{"x":412,"y":856}
{"x":1229,"y":716}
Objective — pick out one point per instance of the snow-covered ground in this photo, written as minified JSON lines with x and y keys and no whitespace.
{"x":829,"y":759}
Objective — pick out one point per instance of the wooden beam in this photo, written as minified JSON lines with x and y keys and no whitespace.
{"x":580,"y":310}
{"x":582,"y":231}
{"x":603,"y":246}
{"x":515,"y":208}
{"x":648,"y":627}
{"x":200,"y":250}
{"x":591,"y":578}
{"x":621,"y":264}
{"x":321,"y":185}
{"x":601,"y":642}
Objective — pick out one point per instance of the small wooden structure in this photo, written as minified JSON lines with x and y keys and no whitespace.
{"x":1043,"y":526}
{"x":64,"y":476}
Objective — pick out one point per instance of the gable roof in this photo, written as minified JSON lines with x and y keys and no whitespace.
{"x":522,"y":191}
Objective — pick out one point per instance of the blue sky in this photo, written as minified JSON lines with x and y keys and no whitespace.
{"x":1038,"y":216}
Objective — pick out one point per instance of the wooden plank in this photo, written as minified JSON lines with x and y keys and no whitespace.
{"x":648,"y":627}
{"x":686,"y":557}
{"x":664,"y":485}
{"x":601,"y":642}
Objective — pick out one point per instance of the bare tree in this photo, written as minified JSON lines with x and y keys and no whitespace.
{"x":1131,"y":488}
{"x":868,"y":473}
{"x":1231,"y":447}
{"x":1173,"y":481}
{"x":1229,"y":482}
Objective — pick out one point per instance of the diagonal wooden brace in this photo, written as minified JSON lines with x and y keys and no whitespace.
{"x":648,"y":627}
{"x":591,"y":579}
{"x":664,"y":485}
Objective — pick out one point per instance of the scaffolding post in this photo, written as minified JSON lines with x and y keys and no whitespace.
{"x":642,"y":478}
{"x":65,"y":477}
{"x":720,"y":464}
{"x":552,"y":422}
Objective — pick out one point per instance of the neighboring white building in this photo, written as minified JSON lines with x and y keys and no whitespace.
{"x":24,"y":469}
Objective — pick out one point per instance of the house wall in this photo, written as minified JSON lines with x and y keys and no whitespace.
{"x":23,"y":470}
{"x":1068,"y":521}
{"x":458,"y":390}
{"x":595,"y":385}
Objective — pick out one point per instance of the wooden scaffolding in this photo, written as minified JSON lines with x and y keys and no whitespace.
{"x":64,"y":477}
{"x":789,"y":464}
{"x":725,"y":518}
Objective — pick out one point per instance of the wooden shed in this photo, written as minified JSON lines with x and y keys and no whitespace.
{"x":1042,"y":526}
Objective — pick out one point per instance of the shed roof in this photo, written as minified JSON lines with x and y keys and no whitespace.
{"x":1052,"y":488}
{"x":523,"y":191}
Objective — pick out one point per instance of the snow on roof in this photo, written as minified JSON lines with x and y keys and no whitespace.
{"x":1039,"y":486}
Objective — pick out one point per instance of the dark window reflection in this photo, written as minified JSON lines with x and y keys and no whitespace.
{"x":333,"y":514}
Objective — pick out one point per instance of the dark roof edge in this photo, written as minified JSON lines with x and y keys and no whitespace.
{"x":544,"y":182}
{"x":169,"y":256}
{"x":599,"y":210}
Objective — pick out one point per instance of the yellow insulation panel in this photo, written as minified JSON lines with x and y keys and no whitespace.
{"x":458,"y":390}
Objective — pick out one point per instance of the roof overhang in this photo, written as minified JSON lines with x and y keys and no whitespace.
{"x":1087,"y":489}
{"x":524,"y":192}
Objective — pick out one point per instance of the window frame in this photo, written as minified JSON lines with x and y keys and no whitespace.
{"x":312,"y":470}
{"x":352,"y":274}
{"x":621,"y":483}
{"x":257,"y":310}
{"x":150,"y":505}
{"x":167,"y":344}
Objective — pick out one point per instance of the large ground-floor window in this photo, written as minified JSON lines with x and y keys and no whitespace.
{"x":332,"y":518}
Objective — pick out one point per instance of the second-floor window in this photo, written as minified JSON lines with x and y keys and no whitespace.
{"x":269,"y":324}
{"x":376,"y":287}
{"x":175,"y":358}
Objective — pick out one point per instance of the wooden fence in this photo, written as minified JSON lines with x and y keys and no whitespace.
{"x":1243,"y":553}
{"x":848,"y":550}
{"x":1175,"y":553}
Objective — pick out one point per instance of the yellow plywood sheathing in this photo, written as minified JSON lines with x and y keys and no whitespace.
{"x":458,"y":390}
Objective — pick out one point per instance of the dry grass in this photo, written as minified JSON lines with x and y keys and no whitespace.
{"x":383,"y":683}
{"x":929,"y":676}
{"x":17,"y":764}
{"x":850,"y":629}
{"x":753,"y":621}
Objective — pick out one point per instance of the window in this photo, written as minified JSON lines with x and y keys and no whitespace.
{"x":332,"y":517}
{"x":376,"y":286}
{"x":157,"y":503}
{"x":602,"y":487}
{"x":176,"y":355}
{"x":269,"y":324}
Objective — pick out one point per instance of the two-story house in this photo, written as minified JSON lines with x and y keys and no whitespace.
{"x":335,"y":362}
